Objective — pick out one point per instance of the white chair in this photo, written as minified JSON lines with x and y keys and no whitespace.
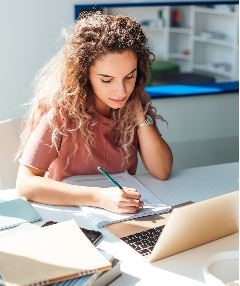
{"x":9,"y":142}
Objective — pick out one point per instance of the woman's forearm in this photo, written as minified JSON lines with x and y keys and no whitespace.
{"x":48,"y":191}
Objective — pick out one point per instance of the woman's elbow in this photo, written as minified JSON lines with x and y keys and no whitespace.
{"x":162,"y":174}
{"x":21,"y":187}
{"x":26,"y":181}
{"x":23,"y":184}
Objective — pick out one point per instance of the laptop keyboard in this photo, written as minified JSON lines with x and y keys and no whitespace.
{"x":143,"y":242}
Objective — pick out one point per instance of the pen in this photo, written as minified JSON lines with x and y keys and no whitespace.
{"x":109,"y":178}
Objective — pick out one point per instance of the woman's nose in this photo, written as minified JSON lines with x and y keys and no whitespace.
{"x":120,"y":90}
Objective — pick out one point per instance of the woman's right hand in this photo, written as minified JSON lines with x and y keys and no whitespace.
{"x":117,"y":200}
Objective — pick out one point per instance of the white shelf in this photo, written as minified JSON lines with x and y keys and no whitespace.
{"x":213,"y":11}
{"x":180,"y":30}
{"x":180,"y":56}
{"x":213,"y":42}
{"x":209,"y":69}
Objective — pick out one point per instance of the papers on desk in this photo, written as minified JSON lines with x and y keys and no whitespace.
{"x":101,"y":217}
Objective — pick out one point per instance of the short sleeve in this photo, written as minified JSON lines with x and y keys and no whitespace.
{"x":39,"y":151}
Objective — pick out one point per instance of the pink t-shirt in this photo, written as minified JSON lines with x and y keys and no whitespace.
{"x":39,"y":152}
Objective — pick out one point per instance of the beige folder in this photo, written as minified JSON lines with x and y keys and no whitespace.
{"x":48,"y":255}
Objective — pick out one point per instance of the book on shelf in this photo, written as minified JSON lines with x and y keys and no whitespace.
{"x":16,"y":212}
{"x":48,"y":255}
{"x":102,"y":217}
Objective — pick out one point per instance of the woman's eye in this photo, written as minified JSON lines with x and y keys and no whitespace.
{"x":130,"y":77}
{"x":105,"y":81}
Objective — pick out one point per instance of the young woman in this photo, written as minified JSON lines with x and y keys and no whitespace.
{"x":89,"y":109}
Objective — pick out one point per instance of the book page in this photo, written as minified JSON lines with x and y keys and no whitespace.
{"x":101,"y":217}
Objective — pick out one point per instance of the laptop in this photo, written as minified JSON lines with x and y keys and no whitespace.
{"x":184,"y":227}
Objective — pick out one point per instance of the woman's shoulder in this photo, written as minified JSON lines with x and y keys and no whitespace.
{"x":48,"y":124}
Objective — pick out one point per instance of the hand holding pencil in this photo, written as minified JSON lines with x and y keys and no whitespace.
{"x":119,"y":199}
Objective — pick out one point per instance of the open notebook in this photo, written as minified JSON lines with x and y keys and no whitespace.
{"x":48,"y":255}
{"x":101,"y":217}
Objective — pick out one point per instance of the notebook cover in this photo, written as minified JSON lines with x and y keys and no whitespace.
{"x":16,"y":212}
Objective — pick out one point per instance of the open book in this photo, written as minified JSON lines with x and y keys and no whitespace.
{"x":101,"y":217}
{"x":48,"y":255}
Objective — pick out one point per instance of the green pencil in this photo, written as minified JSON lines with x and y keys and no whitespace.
{"x":109,"y":178}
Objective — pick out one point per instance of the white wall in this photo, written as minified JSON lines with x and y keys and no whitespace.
{"x":202,"y":130}
{"x":29,"y":32}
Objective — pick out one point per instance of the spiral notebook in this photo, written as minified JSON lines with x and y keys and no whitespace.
{"x":101,"y":217}
{"x":48,"y":255}
{"x":15,"y":212}
{"x":98,"y":278}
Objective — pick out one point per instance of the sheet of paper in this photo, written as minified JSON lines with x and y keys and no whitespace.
{"x":101,"y":217}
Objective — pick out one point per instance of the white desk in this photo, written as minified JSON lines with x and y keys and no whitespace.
{"x":182,"y":269}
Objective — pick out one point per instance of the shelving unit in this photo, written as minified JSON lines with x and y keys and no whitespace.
{"x":197,"y":38}
{"x":193,"y":44}
{"x":215,"y":42}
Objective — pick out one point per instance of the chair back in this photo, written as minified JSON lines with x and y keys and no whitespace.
{"x":9,"y":142}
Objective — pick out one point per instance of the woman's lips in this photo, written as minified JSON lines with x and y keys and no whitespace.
{"x":118,"y":100}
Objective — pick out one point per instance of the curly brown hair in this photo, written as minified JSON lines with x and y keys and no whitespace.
{"x":62,"y":89}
